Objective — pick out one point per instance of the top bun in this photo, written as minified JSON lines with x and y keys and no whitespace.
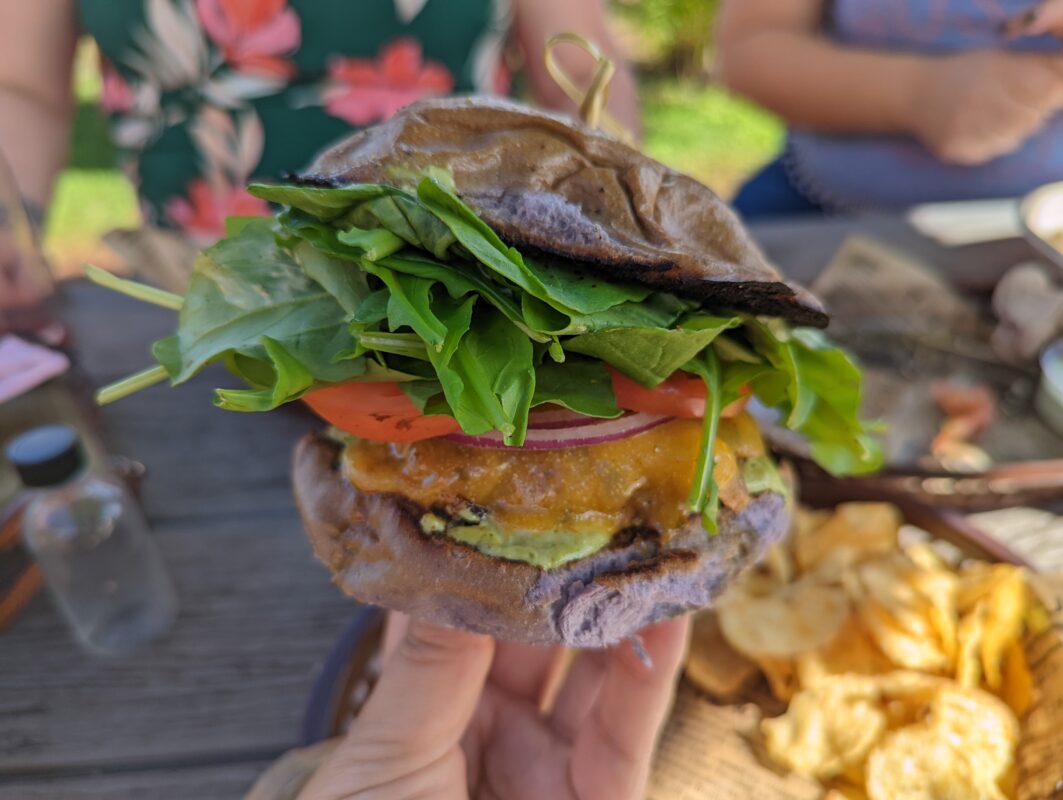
{"x":553,"y":186}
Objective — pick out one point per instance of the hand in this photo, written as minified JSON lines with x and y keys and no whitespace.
{"x":971,"y":108}
{"x":456,"y":715}
{"x":22,"y":284}
{"x":1044,"y":18}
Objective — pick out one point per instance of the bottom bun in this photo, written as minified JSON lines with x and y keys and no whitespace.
{"x":378,"y":554}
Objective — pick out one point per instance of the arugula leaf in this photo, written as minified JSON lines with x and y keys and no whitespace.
{"x":324,"y":202}
{"x":490,"y":379}
{"x":482,"y":243}
{"x":374,"y":244}
{"x":817,"y":388}
{"x":420,"y":392}
{"x":245,"y":288}
{"x":650,"y":355}
{"x":580,"y":384}
{"x":339,"y":278}
{"x":407,"y":218}
{"x":585,"y":293}
{"x":291,"y":379}
{"x":546,"y":319}
{"x":461,"y":279}
{"x":704,"y":495}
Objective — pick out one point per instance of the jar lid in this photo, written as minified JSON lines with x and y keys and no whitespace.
{"x":46,"y":456}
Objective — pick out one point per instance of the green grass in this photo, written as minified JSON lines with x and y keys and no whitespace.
{"x":695,"y":128}
{"x":705,"y":132}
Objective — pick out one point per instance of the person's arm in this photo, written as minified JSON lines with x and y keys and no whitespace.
{"x":772,"y":52}
{"x":966,"y":108}
{"x":537,"y":20}
{"x":37,"y":41}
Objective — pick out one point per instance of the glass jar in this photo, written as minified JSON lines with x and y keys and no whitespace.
{"x":93,"y":545}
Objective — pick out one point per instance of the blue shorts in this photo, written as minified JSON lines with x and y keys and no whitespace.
{"x":771,"y":193}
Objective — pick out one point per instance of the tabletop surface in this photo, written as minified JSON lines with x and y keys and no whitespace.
{"x":202,"y":712}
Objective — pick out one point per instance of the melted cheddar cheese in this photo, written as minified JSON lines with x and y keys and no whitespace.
{"x":642,"y":480}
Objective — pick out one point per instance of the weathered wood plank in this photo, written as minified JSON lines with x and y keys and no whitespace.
{"x":258,"y":616}
{"x":222,"y":782}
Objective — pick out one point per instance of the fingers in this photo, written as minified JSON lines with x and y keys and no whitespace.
{"x":1046,"y":18}
{"x":394,"y":632}
{"x":421,"y":705}
{"x":612,"y":751}
{"x":522,"y":670}
{"x":579,"y":693}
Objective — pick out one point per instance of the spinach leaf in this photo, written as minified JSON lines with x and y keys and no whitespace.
{"x":420,"y":392}
{"x":580,"y":384}
{"x":650,"y":355}
{"x":324,"y":202}
{"x":245,"y":288}
{"x":407,"y":218}
{"x":490,"y":379}
{"x":290,"y":380}
{"x":342,"y":279}
{"x":373,"y":244}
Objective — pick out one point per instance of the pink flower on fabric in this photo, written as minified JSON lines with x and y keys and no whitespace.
{"x":116,"y":96}
{"x":363,"y":91}
{"x":202,"y":214}
{"x":255,"y":36}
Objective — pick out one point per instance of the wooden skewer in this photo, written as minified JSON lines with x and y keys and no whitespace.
{"x":591,"y":101}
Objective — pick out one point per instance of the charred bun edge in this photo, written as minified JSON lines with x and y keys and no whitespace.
{"x":378,"y":554}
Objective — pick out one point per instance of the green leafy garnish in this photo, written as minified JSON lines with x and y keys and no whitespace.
{"x":367,"y":282}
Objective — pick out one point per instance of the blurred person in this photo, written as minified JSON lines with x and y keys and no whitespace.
{"x":205,"y":95}
{"x":457,"y":715}
{"x":896,"y":102}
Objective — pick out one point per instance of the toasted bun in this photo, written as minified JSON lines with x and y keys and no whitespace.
{"x":550,"y":185}
{"x":378,"y":554}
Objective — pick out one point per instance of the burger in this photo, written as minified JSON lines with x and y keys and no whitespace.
{"x":535,"y":348}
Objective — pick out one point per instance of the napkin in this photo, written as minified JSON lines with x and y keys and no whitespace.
{"x":24,"y":366}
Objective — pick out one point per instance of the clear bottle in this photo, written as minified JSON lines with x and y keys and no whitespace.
{"x":93,"y":545}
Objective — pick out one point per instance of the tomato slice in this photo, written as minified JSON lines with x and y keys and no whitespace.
{"x":377,"y":411}
{"x":382,"y":412}
{"x":682,"y":395}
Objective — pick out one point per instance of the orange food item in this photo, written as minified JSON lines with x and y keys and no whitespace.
{"x":383,"y":413}
{"x":682,"y":395}
{"x":377,"y":411}
{"x":641,"y":480}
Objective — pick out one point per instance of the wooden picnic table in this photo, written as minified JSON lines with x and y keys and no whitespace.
{"x":201,"y":713}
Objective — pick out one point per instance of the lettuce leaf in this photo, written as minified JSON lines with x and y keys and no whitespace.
{"x":365,"y":282}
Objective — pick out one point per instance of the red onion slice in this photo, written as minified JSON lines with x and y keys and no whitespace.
{"x":594,"y":430}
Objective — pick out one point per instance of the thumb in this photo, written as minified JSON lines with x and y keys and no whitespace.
{"x":419,"y":709}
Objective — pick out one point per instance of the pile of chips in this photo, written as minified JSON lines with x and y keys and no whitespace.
{"x":901,"y":665}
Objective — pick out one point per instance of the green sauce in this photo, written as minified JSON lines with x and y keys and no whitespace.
{"x":544,"y":550}
{"x":761,"y":475}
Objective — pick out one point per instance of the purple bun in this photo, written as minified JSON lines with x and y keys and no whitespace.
{"x":378,"y":554}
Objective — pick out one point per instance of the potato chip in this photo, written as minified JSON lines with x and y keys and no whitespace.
{"x":1018,"y":684}
{"x":968,"y":670}
{"x":964,"y":750}
{"x":978,"y":580}
{"x":909,"y":611}
{"x":1005,"y":609}
{"x":854,"y":531}
{"x":979,"y":722}
{"x":852,"y":650}
{"x":779,"y":563}
{"x":825,"y":730}
{"x":801,"y":616}
{"x":844,"y":790}
{"x":781,"y":675}
{"x":917,"y":763}
{"x":712,"y":664}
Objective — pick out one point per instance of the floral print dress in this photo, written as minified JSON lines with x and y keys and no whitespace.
{"x":205,"y":95}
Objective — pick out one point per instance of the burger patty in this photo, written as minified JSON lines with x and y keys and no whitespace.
{"x":375,"y":544}
{"x":581,"y":494}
